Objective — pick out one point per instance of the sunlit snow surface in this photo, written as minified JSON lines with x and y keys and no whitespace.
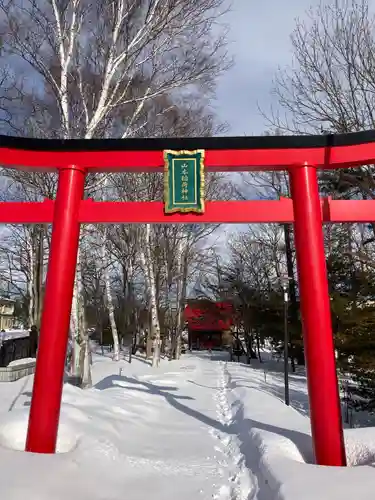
{"x":198,"y":428}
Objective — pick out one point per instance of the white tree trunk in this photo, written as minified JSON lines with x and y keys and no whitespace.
{"x":34,"y":270}
{"x":182,"y":297}
{"x":81,"y":356}
{"x":66,"y":39}
{"x":87,"y":362}
{"x":85,"y":365}
{"x":107,"y":284}
{"x":147,"y":266}
{"x":108,"y":297}
{"x":155,"y":327}
{"x":31,"y":280}
{"x":180,"y":290}
{"x":74,"y":334}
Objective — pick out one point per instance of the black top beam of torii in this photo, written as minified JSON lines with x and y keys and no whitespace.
{"x":180,"y":143}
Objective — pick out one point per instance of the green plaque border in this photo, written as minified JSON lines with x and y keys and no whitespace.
{"x":167,"y":202}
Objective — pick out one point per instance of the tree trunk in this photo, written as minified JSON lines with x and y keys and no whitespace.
{"x":31,"y":280}
{"x":82,"y":327}
{"x":182,"y":300}
{"x":258,"y":348}
{"x":74,"y":334}
{"x":182,"y":266}
{"x":155,"y":328}
{"x":81,"y":357}
{"x":39,"y":278}
{"x":147,"y":265}
{"x":109,"y":300}
{"x":34,"y":236}
{"x":248,"y":345}
{"x":87,"y":362}
{"x":112,"y":320}
{"x":294,"y":350}
{"x":149,"y":345}
{"x":178,"y":299}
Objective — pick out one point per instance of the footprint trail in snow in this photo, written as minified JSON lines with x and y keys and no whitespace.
{"x":238,"y":483}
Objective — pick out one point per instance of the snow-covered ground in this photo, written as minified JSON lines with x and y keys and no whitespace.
{"x":198,"y":428}
{"x":13,"y":334}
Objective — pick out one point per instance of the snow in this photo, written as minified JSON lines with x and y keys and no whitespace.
{"x":13,"y":334}
{"x":23,"y":361}
{"x":197,"y":428}
{"x":276,"y":441}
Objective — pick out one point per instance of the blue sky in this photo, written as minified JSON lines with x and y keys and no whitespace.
{"x":260,"y":43}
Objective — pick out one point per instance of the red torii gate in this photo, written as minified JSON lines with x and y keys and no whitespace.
{"x":301,"y":156}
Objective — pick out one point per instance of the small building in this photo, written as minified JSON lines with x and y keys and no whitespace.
{"x":208,"y":321}
{"x":6,"y":313}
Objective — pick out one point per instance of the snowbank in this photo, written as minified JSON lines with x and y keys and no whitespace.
{"x":277,"y":444}
{"x":13,"y":334}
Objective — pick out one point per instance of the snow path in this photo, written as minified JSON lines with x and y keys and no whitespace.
{"x":139,"y":429}
{"x":241,"y":481}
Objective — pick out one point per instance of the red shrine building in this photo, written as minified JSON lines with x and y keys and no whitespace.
{"x":207,"y":322}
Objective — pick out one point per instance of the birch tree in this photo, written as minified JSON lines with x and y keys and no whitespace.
{"x":108,"y":296}
{"x":148,"y":269}
{"x":105,"y":260}
{"x":102,"y":64}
